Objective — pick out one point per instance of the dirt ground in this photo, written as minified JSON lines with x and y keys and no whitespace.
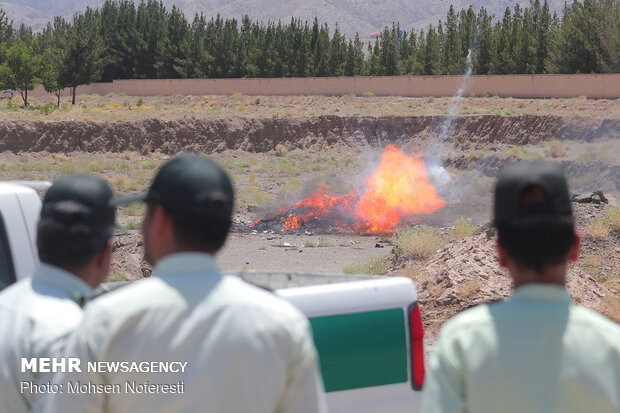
{"x":280,"y":149}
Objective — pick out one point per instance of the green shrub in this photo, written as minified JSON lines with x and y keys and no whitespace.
{"x":373,"y":266}
{"x":11,"y":106}
{"x":555,"y":149}
{"x":420,"y":241}
{"x":613,"y":217}
{"x":368,"y":94}
{"x":47,"y":108}
{"x":140,"y":102}
{"x":320,"y":244}
{"x":133,"y":225}
{"x":462,"y":228}
{"x":116,"y":276}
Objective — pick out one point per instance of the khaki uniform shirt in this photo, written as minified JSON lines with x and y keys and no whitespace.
{"x":537,"y":353}
{"x":36,"y":315}
{"x":244,"y":349}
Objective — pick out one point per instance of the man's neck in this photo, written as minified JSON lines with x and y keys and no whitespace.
{"x":555,"y":275}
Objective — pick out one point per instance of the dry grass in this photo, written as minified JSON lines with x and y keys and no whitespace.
{"x":133,"y":210}
{"x":290,"y":185}
{"x":285,"y":166}
{"x":413,"y":270}
{"x":134,"y":225}
{"x":372,"y":266}
{"x":591,"y":263}
{"x":435,"y":289}
{"x":419,"y":241}
{"x":555,"y":149}
{"x":117,"y":276}
{"x":597,"y":229}
{"x":462,"y":228}
{"x":612,"y":216}
{"x":611,"y":307}
{"x":468,"y":288}
{"x":123,"y":108}
{"x":281,"y":150}
{"x":253,"y":193}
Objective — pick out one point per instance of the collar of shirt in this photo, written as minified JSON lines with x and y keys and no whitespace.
{"x":186,"y":263}
{"x":541,"y":292}
{"x":76,"y":288}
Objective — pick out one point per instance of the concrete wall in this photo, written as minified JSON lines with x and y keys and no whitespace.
{"x":524,"y":86}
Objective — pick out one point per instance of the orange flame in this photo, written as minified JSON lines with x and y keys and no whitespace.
{"x":398,"y":188}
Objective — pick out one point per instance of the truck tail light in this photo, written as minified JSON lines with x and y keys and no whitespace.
{"x":416,"y":332}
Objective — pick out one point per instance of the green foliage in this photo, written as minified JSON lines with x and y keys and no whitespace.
{"x":116,"y":276}
{"x":462,"y":228}
{"x":419,"y":241}
{"x":82,"y":58}
{"x":46,"y":108}
{"x":22,"y":69}
{"x":588,"y":39}
{"x":144,"y":40}
{"x":613,"y":218}
{"x":372,"y":266}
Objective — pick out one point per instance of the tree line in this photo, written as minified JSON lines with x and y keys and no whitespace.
{"x":122,"y":40}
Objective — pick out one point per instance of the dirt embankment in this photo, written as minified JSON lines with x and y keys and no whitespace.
{"x":263,"y":134}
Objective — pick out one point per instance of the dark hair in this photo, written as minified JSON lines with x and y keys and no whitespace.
{"x":70,"y":246}
{"x":538,"y":245}
{"x":199,"y":232}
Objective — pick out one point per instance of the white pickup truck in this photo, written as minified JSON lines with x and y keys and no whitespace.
{"x":367,"y":329}
{"x":19,"y":212}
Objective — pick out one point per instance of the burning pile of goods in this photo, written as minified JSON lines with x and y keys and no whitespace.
{"x":397,"y":191}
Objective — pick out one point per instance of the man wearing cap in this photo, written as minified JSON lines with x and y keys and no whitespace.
{"x":74,"y":239}
{"x":538,"y":351}
{"x":231,"y":347}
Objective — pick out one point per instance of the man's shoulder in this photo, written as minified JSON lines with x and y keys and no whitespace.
{"x":157,"y":294}
{"x":586,"y":318}
{"x":32,"y":317}
{"x":476,"y":316}
{"x":135,"y":296}
{"x":241,"y":293}
{"x":15,"y":292}
{"x":28,"y":300}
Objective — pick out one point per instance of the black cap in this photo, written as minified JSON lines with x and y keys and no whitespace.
{"x":552,"y":206}
{"x":191,"y":184}
{"x":80,"y":199}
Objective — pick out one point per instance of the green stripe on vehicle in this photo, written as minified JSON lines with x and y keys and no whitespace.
{"x":361,"y":349}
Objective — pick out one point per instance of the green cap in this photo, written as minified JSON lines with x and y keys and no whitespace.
{"x":80,"y":199}
{"x":192,"y":184}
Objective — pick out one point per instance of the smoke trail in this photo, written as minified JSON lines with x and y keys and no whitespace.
{"x":436,"y":147}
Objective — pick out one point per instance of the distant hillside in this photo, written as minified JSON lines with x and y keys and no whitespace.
{"x":361,"y":16}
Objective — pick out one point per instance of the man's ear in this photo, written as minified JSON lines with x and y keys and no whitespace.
{"x":574,"y":254}
{"x":105,"y":255}
{"x":162,"y":221}
{"x":502,"y":257}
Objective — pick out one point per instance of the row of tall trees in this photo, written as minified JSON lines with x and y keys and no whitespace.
{"x":586,"y":39}
{"x":122,"y":40}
